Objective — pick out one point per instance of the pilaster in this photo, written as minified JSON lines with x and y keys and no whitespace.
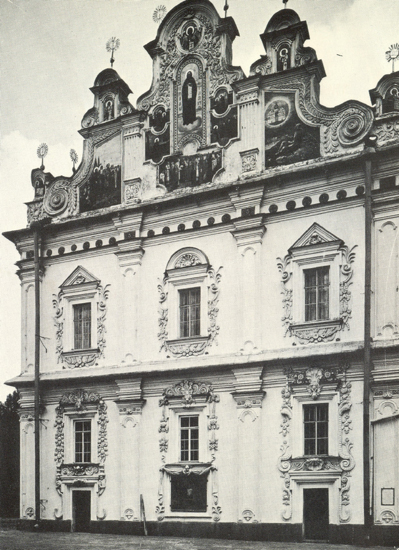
{"x":249,"y":234}
{"x":130,"y":254}
{"x":130,"y":405}
{"x":248,"y":396}
{"x":27,"y":278}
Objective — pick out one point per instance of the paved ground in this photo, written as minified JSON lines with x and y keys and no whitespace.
{"x":20,"y":540}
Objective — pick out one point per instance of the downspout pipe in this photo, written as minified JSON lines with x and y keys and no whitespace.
{"x":368,"y":517}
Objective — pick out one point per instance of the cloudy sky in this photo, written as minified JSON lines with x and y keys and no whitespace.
{"x":52,"y":50}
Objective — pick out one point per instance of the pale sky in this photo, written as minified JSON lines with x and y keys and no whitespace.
{"x":52,"y":50}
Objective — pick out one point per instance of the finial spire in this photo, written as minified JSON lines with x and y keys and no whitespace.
{"x":42,"y":151}
{"x":392,"y":55}
{"x":74,"y":158}
{"x":285,"y":2}
{"x":112,"y":46}
{"x":159,"y":13}
{"x":225,"y":7}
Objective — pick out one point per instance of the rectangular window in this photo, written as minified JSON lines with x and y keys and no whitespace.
{"x":317,"y":282}
{"x":190,"y":304}
{"x":82,"y":326}
{"x":83,"y":441}
{"x":188,"y":493}
{"x":315,"y":420}
{"x":387,"y":183}
{"x":189,"y":438}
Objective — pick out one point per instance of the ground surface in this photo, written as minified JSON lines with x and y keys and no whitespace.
{"x":20,"y":540}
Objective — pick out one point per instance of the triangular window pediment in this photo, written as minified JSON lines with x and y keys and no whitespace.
{"x":79,"y":276}
{"x":315,"y":235}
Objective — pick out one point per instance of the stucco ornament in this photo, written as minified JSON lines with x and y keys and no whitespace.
{"x":323,"y":330}
{"x":194,"y":346}
{"x":343,"y":464}
{"x":341,"y":127}
{"x":80,"y":359}
{"x":61,"y":195}
{"x":209,"y":48}
{"x":81,"y":400}
{"x":187,"y":394}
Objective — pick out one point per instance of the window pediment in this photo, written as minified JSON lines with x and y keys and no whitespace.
{"x":80,"y":312}
{"x":316,"y":235}
{"x":188,"y":298}
{"x":78,"y":277}
{"x":316,"y":275}
{"x":187,"y":258}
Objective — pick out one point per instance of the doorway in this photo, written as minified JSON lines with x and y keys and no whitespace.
{"x":81,"y":511}
{"x":315,"y":514}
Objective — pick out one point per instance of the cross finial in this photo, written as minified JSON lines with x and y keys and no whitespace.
{"x":392,"y":55}
{"x":111,"y":46}
{"x":285,"y":2}
{"x":225,"y":7}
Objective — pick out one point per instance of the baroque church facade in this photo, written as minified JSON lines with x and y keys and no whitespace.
{"x":203,"y":282}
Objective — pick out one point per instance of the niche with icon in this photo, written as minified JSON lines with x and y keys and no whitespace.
{"x":224,"y":118}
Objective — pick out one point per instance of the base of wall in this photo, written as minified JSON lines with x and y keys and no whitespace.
{"x":227,"y":531}
{"x":60,"y":526}
{"x":380,"y":535}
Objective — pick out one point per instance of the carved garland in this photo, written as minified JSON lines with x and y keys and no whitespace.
{"x":190,"y":349}
{"x":78,"y":400}
{"x":82,"y":359}
{"x":318,"y":334}
{"x":343,"y":464}
{"x":186,"y":392}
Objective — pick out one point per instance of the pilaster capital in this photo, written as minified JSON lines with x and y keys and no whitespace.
{"x":26,"y":273}
{"x":249,"y":400}
{"x":129,"y":389}
{"x":247,"y":379}
{"x":249,"y":231}
{"x":130,"y":255}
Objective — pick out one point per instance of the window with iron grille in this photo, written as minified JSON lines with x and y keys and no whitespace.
{"x":82,"y":326}
{"x":190,"y":304}
{"x":315,"y":419}
{"x":317,"y":283}
{"x":189,"y":438}
{"x":83,"y":441}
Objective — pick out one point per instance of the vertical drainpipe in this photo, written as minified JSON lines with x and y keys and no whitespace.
{"x":369,"y":150}
{"x":35,"y":226}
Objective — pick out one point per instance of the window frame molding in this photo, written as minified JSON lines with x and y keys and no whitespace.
{"x":316,"y":248}
{"x":80,"y":404}
{"x":326,"y":397}
{"x":188,"y":268}
{"x":313,"y":385}
{"x":70,"y":419}
{"x":188,"y":398}
{"x":79,"y":288}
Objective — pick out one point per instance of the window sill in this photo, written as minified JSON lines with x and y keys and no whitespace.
{"x":86,"y":470}
{"x":313,"y":332}
{"x":186,"y":468}
{"x":79,"y":358}
{"x":187,"y":347}
{"x":315,"y":463}
{"x":193,"y":516}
